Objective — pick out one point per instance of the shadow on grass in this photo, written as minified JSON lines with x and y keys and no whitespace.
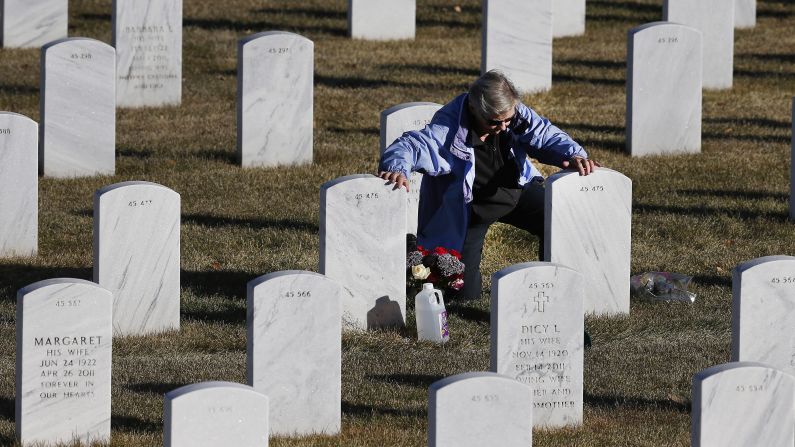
{"x":272,"y":224}
{"x":468,"y":313}
{"x":610,"y":402}
{"x":744,"y":137}
{"x":734,"y":194}
{"x":305,"y":13}
{"x":354,"y":82}
{"x":88,"y":16}
{"x":130,"y":424}
{"x":773,"y":57}
{"x":135,"y":153}
{"x":17,"y":276}
{"x":433,"y":69}
{"x":641,"y":208}
{"x":757,"y":74}
{"x":220,"y":155}
{"x":712,"y":280}
{"x":760,"y":122}
{"x":416,"y":380}
{"x":18,"y":90}
{"x":7,"y":410}
{"x":153,"y":388}
{"x":257,"y":26}
{"x":602,"y":65}
{"x":230,"y":284}
{"x":365,"y":131}
{"x":356,"y":410}
{"x":560,"y":78}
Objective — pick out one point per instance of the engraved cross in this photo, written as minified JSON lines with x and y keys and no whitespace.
{"x":540,"y":300}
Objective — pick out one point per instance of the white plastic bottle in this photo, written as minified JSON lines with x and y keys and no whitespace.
{"x":431,"y":315}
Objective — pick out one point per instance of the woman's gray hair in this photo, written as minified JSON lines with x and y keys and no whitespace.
{"x":493,"y":94}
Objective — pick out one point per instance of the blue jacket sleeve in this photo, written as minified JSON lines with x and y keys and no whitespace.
{"x":421,"y":150}
{"x":544,"y":141}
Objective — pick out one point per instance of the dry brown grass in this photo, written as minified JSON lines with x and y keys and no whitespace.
{"x":698,"y":214}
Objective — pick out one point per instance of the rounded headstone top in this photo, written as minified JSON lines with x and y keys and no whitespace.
{"x":267,"y":277}
{"x":748,"y":265}
{"x":58,"y":281}
{"x":660,"y":24}
{"x":406,"y":105}
{"x":57,"y":42}
{"x":256,"y":36}
{"x":115,"y":186}
{"x":14,"y":115}
{"x":173,"y":394}
{"x":599,"y":172}
{"x":435,"y":386}
{"x":348,"y":178}
{"x":524,"y":265}
{"x":730,"y":366}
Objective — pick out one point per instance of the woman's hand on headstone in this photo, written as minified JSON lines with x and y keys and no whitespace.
{"x":395,"y":177}
{"x":583,"y":165}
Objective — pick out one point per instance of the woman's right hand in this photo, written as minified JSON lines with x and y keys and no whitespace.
{"x":395,"y":177}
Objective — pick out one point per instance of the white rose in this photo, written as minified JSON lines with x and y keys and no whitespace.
{"x":420,"y":272}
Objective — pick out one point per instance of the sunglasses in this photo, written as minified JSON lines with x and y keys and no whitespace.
{"x":506,"y":121}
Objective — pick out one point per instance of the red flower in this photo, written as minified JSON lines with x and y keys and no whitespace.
{"x":440,"y":250}
{"x":455,"y":254}
{"x":422,"y":250}
{"x":457,"y":284}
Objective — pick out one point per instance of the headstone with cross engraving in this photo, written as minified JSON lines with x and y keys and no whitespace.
{"x":763,"y":312}
{"x":215,"y":413}
{"x":536,"y":337}
{"x":394,"y":122}
{"x":743,"y":404}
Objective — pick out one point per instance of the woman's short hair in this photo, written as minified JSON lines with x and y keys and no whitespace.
{"x":493,"y":94}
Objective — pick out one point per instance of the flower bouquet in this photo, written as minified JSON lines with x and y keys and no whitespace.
{"x":439,"y":266}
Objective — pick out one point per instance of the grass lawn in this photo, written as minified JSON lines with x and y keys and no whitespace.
{"x":695,"y":214}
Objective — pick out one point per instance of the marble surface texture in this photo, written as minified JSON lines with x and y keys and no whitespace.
{"x":362,"y":226}
{"x":597,"y":209}
{"x":136,"y":255}
{"x":744,"y":13}
{"x":517,"y":39}
{"x":63,"y":369}
{"x":382,"y":19}
{"x":396,"y":120}
{"x":743,"y":404}
{"x":715,"y":20}
{"x":763,"y":312}
{"x":537,"y":321}
{"x":32,"y":23}
{"x":78,"y":108}
{"x":294,"y":352}
{"x":19,"y":185}
{"x":568,"y":18}
{"x":147,"y":35}
{"x":211,"y":414}
{"x":275,"y":75}
{"x":479,"y":409}
{"x":663,"y":89}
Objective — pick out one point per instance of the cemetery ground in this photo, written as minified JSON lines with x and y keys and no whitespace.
{"x":695,"y":214}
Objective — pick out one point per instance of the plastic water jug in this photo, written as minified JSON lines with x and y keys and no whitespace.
{"x":431,"y":315}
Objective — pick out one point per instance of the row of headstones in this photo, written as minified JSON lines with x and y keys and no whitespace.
{"x":294,"y":323}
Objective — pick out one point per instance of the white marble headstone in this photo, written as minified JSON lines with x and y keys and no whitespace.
{"x":568,"y":18}
{"x":663,"y":89}
{"x":597,"y":208}
{"x":64,"y":344}
{"x":19,"y":185}
{"x":32,"y":23}
{"x":362,"y":247}
{"x":396,"y":120}
{"x":715,"y":20}
{"x":294,"y":350}
{"x":382,"y":19}
{"x":78,"y":108}
{"x":136,"y":255}
{"x":517,"y":40}
{"x":743,"y":404}
{"x":537,"y":325}
{"x":212,"y":414}
{"x":479,"y":409}
{"x":744,"y":13}
{"x":792,"y":168}
{"x":147,"y":35}
{"x":763,"y":312}
{"x":275,"y":75}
